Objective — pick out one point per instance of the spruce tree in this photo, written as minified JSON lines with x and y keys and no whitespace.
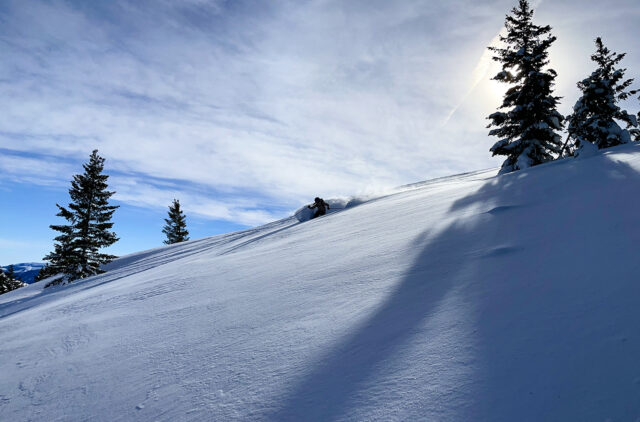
{"x":77,"y":249}
{"x":595,"y":113}
{"x":8,"y":283}
{"x":63,"y":259}
{"x":176,"y":225}
{"x":45,"y":272}
{"x":527,"y":126}
{"x":11,"y":272}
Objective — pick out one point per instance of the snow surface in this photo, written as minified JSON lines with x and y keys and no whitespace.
{"x":469,"y":298}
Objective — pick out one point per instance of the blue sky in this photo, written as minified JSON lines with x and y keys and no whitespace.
{"x":246,"y":110}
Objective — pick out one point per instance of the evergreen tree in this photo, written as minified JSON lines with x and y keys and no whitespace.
{"x":11,"y":272}
{"x":7,"y":283}
{"x":176,"y":225}
{"x":77,"y":249}
{"x":595,"y":113}
{"x":527,"y":128}
{"x":47,"y":271}
{"x":63,"y":259}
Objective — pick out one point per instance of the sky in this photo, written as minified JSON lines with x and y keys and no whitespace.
{"x":246,"y":110}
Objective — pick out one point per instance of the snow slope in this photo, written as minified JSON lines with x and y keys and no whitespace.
{"x":472,"y":297}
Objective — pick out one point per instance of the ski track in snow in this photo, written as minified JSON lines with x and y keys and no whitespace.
{"x":470,"y":297}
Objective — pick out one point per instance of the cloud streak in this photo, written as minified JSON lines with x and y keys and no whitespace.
{"x":246,"y":109}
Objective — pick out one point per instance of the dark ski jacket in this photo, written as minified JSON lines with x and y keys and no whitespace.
{"x":320,"y":205}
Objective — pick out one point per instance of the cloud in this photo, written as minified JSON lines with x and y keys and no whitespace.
{"x":483,"y":71}
{"x":144,"y":191}
{"x":253,"y":102}
{"x":22,"y":244}
{"x":236,"y":208}
{"x":38,"y":171}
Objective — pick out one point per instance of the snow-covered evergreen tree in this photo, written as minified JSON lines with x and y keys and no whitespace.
{"x":47,"y":271}
{"x":8,"y":282}
{"x":77,"y":248}
{"x":595,"y":113}
{"x":11,"y":272}
{"x":528,"y":123}
{"x":176,"y":225}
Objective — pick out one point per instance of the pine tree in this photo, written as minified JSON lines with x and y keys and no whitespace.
{"x":527,"y":128}
{"x":63,"y":259}
{"x":595,"y":113}
{"x":45,"y":272}
{"x":176,"y":225}
{"x":7,"y":283}
{"x":77,"y":249}
{"x":11,"y":272}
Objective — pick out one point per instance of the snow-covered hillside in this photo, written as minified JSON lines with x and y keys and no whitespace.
{"x":469,"y":298}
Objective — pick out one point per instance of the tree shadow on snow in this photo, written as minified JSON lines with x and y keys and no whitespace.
{"x":343,"y":374}
{"x":327,"y":391}
{"x":500,"y":281}
{"x":554,"y":336}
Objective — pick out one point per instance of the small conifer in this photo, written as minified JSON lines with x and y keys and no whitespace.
{"x":176,"y":225}
{"x":11,"y":272}
{"x":8,"y":282}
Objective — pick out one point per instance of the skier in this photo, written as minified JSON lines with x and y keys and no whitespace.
{"x":320,"y":205}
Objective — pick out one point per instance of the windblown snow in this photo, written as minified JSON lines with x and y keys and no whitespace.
{"x":473,"y":297}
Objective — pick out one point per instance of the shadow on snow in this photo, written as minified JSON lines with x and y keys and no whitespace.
{"x":520,"y":288}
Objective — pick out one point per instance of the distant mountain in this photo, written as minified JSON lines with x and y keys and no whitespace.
{"x":26,"y":271}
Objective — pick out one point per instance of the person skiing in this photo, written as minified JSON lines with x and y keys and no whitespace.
{"x":320,"y":205}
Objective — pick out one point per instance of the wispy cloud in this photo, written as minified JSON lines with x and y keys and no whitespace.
{"x":483,"y":71}
{"x":236,"y":207}
{"x":242,"y":107}
{"x":44,"y":171}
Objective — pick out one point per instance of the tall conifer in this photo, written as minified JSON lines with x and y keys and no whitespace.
{"x":176,"y":225}
{"x":527,"y":127}
{"x":77,"y":248}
